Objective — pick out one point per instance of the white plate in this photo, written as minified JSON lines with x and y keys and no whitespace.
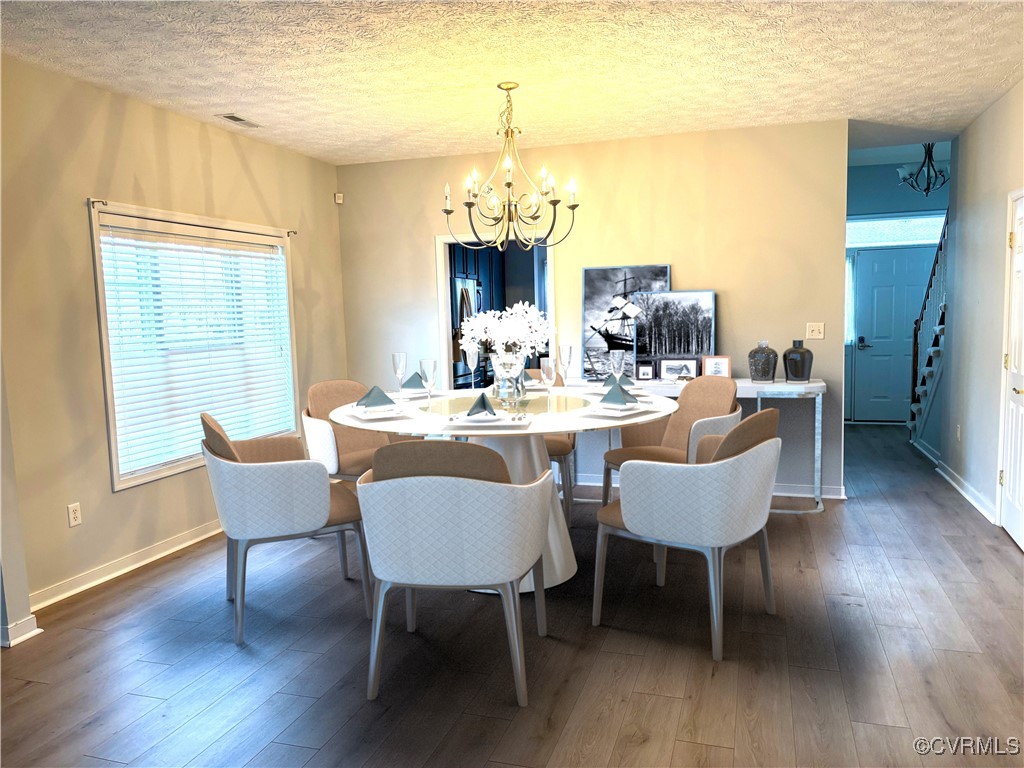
{"x":380,"y":413}
{"x":408,"y":394}
{"x":614,"y":408}
{"x":483,"y":418}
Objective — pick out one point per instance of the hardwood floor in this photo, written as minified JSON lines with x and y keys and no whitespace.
{"x":899,"y":616}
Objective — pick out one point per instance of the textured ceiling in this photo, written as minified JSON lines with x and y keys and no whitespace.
{"x":352,"y":82}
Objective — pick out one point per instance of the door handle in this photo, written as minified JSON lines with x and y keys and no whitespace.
{"x":1018,"y":391}
{"x":861,"y":344}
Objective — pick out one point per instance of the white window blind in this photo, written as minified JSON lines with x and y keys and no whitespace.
{"x":193,"y":318}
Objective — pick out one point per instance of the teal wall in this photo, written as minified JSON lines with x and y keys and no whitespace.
{"x":872,"y":189}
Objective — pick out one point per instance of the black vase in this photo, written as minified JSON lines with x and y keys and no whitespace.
{"x":797,"y":361}
{"x":762,"y":362}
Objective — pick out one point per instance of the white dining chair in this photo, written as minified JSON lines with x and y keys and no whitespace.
{"x":707,"y":406}
{"x":262,"y":500}
{"x":707,"y":508}
{"x":442,"y":532}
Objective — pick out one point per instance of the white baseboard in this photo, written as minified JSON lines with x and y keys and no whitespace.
{"x":781,"y":489}
{"x":19,"y":631}
{"x":967,"y":491}
{"x":929,"y":453}
{"x":115,"y":568}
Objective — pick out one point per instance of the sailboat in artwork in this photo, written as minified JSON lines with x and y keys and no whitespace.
{"x":618,"y":329}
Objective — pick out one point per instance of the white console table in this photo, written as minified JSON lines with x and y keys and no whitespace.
{"x":776,"y":390}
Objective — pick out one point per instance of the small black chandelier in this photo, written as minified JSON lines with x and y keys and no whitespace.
{"x":928,"y":177}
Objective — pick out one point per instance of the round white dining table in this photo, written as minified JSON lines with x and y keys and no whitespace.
{"x":518,"y":437}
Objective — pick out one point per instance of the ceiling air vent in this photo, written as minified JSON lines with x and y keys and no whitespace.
{"x":239,"y":120}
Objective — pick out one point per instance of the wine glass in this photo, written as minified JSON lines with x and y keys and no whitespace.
{"x":428,"y":371}
{"x":618,"y":360}
{"x":547,"y":372}
{"x":398,"y":364}
{"x":472,"y":359}
{"x":564,"y":359}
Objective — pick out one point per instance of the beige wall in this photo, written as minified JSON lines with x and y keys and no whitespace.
{"x":756,"y":214}
{"x":64,"y":141}
{"x":989,"y":166}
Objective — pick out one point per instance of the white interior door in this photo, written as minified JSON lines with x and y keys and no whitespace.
{"x":1011,"y":515}
{"x":889,"y":285}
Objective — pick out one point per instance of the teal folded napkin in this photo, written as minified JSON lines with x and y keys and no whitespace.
{"x":625,"y":381}
{"x":611,"y":381}
{"x":616,"y":395}
{"x":414,"y":382}
{"x":375,"y":398}
{"x":482,"y":405}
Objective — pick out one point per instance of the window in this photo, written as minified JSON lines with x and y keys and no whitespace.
{"x":195,"y":316}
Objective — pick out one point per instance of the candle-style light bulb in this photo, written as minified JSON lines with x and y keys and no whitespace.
{"x":476,"y":182}
{"x":572,"y":191}
{"x":551,"y":184}
{"x":543,"y":180}
{"x":469,"y":187}
{"x":447,"y":196}
{"x":508,"y":169}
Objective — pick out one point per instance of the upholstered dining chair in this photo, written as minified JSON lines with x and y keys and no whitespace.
{"x":707,"y":406}
{"x":266,"y":490}
{"x":427,"y":529}
{"x":345,"y":451}
{"x":562,"y":451}
{"x":707,"y":508}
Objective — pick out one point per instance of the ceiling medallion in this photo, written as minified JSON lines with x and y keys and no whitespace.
{"x":499,"y":213}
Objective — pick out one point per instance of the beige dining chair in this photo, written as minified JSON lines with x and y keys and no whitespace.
{"x":561,"y":449}
{"x":707,"y":508}
{"x":427,"y":529}
{"x":707,"y":406}
{"x":265,"y":490}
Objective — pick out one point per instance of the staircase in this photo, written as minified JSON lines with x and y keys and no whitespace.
{"x":929,"y":343}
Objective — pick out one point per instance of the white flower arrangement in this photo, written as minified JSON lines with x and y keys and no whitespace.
{"x":522,"y":328}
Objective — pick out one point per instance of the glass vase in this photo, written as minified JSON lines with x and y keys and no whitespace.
{"x":508,"y":377}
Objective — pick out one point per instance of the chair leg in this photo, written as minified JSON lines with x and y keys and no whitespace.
{"x":660,"y":562}
{"x":514,"y":624}
{"x":380,"y":595}
{"x":343,"y":553}
{"x":365,"y":572}
{"x":232,"y":552}
{"x":716,"y":567}
{"x":606,"y":485}
{"x":766,"y":570}
{"x":602,"y":551}
{"x":410,"y":609}
{"x":240,"y":558}
{"x":563,"y":470}
{"x":540,"y":598}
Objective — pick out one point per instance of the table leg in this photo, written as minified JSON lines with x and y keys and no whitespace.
{"x":527,"y":459}
{"x":817,"y":453}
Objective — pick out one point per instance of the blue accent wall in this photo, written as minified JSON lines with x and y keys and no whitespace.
{"x":873,"y":189}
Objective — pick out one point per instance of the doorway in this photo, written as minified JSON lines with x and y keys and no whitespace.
{"x":473,"y":280}
{"x":889,"y":260}
{"x":1011,"y":476}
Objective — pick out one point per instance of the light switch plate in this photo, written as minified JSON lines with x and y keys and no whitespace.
{"x":815,"y":330}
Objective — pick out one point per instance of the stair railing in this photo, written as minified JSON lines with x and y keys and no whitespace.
{"x":924,"y":332}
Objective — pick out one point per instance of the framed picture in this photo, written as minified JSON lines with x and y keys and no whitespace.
{"x":610,"y":312}
{"x":645,"y":372}
{"x":674,"y":325}
{"x":720,"y":365}
{"x":681,"y":368}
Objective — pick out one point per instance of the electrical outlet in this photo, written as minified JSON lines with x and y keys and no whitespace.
{"x":74,"y":514}
{"x":958,"y":433}
{"x":815,"y":331}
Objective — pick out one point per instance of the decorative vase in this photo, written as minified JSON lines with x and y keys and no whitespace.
{"x":797,"y":362}
{"x":763,"y":361}
{"x":508,"y":377}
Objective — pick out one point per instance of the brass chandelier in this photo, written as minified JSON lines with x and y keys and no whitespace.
{"x":928,"y":177}
{"x":498,"y":212}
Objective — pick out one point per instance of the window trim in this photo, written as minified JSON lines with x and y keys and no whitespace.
{"x":273,"y":235}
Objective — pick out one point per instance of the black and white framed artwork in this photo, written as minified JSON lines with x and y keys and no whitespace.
{"x":610,"y":313}
{"x":672,"y":325}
